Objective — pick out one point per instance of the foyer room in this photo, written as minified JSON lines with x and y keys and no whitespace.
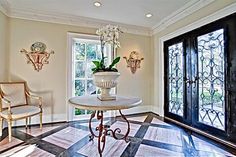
{"x":129,"y":78}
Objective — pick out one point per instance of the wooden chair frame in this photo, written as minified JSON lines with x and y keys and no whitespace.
{"x":9,"y":107}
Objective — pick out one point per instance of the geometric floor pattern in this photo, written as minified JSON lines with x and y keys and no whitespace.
{"x":149,"y":136}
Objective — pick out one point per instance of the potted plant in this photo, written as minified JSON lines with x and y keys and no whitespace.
{"x":105,"y":76}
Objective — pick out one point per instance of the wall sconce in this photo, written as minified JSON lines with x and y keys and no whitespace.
{"x":133,"y":62}
{"x":38,"y":55}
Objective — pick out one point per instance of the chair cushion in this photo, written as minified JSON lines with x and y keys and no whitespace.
{"x":21,"y":111}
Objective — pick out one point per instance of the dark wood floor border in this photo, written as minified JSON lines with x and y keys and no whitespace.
{"x":131,"y":149}
{"x":72,"y":151}
{"x":50,"y":147}
{"x":133,"y":146}
{"x":59,"y":128}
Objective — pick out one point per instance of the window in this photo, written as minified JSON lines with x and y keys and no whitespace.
{"x":83,"y":50}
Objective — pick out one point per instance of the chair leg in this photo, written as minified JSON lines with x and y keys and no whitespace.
{"x":41,"y":120}
{"x":9,"y":129}
{"x":26,"y":122}
{"x":29,"y":122}
{"x":1,"y":125}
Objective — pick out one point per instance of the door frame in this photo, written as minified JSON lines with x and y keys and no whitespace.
{"x":190,"y":96}
{"x":159,"y":54}
{"x":228,"y":24}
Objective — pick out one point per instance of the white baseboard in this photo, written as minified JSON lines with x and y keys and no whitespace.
{"x":157,"y":110}
{"x":35,"y":120}
{"x":138,"y":109}
{"x":63,"y":117}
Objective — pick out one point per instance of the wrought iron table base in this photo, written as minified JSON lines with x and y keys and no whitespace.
{"x":104,"y":130}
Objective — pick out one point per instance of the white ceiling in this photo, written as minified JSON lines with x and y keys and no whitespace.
{"x":128,"y":12}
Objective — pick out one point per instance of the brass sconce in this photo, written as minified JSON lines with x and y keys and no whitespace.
{"x":38,"y":55}
{"x":133,"y":62}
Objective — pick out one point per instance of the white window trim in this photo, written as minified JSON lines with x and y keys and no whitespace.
{"x":70,"y":39}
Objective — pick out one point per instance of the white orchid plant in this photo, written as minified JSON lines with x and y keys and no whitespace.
{"x":108,"y":35}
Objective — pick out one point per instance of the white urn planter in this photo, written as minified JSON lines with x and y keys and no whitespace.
{"x":105,"y":81}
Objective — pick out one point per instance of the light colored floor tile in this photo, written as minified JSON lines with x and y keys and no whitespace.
{"x":113,"y":148}
{"x":124,"y":126}
{"x":139,"y":118}
{"x":66,"y":137}
{"x":208,"y":147}
{"x":164,"y":135}
{"x":149,"y":151}
{"x":94,"y":124}
{"x":36,"y":131}
{"x":5,"y":144}
{"x":157,"y":121}
{"x":26,"y":151}
{"x":40,"y":153}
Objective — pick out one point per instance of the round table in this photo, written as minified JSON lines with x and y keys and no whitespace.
{"x":98,"y":106}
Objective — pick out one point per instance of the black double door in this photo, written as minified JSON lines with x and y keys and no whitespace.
{"x":200,"y":78}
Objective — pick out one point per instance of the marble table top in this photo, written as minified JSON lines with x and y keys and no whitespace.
{"x":93,"y":103}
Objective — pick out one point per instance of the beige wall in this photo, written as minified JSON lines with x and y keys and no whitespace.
{"x":158,"y":58}
{"x":51,"y":81}
{"x":140,"y":83}
{"x":3,"y":46}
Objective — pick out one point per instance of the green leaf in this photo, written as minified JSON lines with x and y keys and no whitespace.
{"x":93,"y":69}
{"x":115,"y":61}
{"x":96,"y":63}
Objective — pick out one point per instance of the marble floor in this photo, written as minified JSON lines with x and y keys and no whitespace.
{"x":149,"y":137}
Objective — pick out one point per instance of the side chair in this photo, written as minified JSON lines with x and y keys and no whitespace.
{"x":15,"y":104}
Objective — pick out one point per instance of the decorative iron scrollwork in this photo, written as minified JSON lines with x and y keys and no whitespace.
{"x":38,"y":55}
{"x":104,"y":130}
{"x":133,"y":62}
{"x":211,"y":79}
{"x":176,"y":81}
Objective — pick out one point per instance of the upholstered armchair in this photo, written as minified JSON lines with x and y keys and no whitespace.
{"x":15,"y":104}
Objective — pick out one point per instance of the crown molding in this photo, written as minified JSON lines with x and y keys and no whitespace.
{"x":53,"y":17}
{"x":201,"y":22}
{"x":181,"y":13}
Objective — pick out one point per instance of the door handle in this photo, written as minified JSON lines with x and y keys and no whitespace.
{"x":188,"y":81}
{"x":194,"y":82}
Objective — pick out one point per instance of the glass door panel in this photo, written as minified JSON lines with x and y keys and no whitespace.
{"x":84,"y":53}
{"x":211,"y":75}
{"x":175,"y":76}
